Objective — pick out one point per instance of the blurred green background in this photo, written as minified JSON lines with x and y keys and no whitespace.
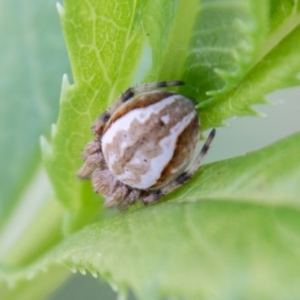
{"x":33,"y":59}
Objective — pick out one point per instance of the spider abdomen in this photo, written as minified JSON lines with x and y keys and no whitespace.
{"x":151,"y":139}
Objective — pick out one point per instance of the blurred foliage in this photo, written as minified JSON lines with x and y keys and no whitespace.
{"x":231,"y":232}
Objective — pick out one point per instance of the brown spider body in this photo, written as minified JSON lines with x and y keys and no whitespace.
{"x":143,"y":145}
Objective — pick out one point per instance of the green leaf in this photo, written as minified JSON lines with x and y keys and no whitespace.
{"x":107,"y":46}
{"x":283,"y":12}
{"x":32,"y":59}
{"x":212,"y":250}
{"x":104,"y":40}
{"x":228,"y":55}
{"x":198,"y":248}
{"x":208,"y":242}
{"x":208,"y":44}
{"x":278,"y":69}
{"x":268,"y":176}
{"x":34,"y":287}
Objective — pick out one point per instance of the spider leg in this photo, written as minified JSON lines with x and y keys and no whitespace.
{"x":101,"y":121}
{"x":182,"y":178}
{"x":92,"y":157}
{"x":115,"y":192}
{"x":129,"y":93}
{"x":195,"y":166}
{"x":131,"y":198}
{"x":152,"y":197}
{"x":91,"y":163}
{"x":90,"y":148}
{"x":146,"y":87}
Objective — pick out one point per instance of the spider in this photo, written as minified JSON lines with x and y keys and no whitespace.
{"x":144,"y":144}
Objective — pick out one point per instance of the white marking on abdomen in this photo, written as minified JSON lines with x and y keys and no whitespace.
{"x":123,"y":124}
{"x":165,"y":119}
{"x":168,"y":145}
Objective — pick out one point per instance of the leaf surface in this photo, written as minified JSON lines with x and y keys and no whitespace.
{"x":104,"y":40}
{"x":107,"y":44}
{"x":211,"y":241}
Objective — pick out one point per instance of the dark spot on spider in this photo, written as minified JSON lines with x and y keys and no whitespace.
{"x":193,"y":100}
{"x":161,"y":84}
{"x":127,"y":95}
{"x":157,"y":194}
{"x":161,"y":122}
{"x":184,"y":177}
{"x":106,"y":117}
